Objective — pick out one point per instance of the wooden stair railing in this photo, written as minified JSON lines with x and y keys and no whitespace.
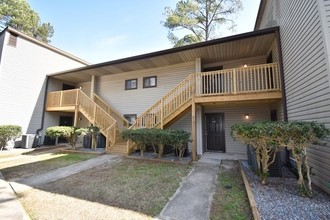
{"x":166,"y":108}
{"x":121,"y":121}
{"x":97,"y":116}
{"x":251,"y":79}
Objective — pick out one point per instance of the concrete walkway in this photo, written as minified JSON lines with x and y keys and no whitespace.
{"x":51,"y":176}
{"x":193,"y":199}
{"x":10,"y":207}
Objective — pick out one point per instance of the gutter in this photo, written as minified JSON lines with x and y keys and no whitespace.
{"x":37,"y":137}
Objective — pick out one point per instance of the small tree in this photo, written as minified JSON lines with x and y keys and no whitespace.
{"x":300,"y":135}
{"x":179,"y":140}
{"x":138,"y":136}
{"x":71,"y":134}
{"x":266,"y":139}
{"x":8,"y":132}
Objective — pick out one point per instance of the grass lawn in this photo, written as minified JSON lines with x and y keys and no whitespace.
{"x":141,"y":186}
{"x":230,"y":200}
{"x":33,"y":163}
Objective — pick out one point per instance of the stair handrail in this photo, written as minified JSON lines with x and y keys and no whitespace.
{"x":187,"y":84}
{"x":116,"y":113}
{"x":96,"y":107}
{"x":162,"y":101}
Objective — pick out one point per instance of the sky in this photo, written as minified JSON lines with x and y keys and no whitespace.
{"x":104,"y":30}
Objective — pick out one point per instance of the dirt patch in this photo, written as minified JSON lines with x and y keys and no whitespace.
{"x":142,"y":186}
{"x":230,"y":200}
{"x":46,"y":205}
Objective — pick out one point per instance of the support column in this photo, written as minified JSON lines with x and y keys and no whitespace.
{"x":92,"y":87}
{"x":193,"y":121}
{"x":198,"y":69}
{"x":76,"y":112}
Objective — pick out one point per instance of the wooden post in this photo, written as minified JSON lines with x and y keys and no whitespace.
{"x":61,"y":98}
{"x":107,"y":141}
{"x":234,"y":82}
{"x":161,"y":114}
{"x":193,"y":120}
{"x":76,"y":110}
{"x":92,"y":87}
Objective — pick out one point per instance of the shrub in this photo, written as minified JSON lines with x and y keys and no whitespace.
{"x":71,"y":134}
{"x":179,"y":140}
{"x":158,"y":138}
{"x":8,"y":132}
{"x":268,"y":137}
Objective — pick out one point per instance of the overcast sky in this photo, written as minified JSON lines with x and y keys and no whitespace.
{"x":104,"y":30}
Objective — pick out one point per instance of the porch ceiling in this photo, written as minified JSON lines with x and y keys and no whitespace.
{"x":246,"y":45}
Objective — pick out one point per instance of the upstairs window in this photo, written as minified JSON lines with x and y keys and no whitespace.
{"x":12,"y":40}
{"x":149,"y":82}
{"x":130,"y":118}
{"x":130,"y":84}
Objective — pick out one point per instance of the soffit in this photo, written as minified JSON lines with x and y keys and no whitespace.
{"x":223,"y":51}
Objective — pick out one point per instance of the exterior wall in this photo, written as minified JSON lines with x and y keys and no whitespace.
{"x":111,"y":88}
{"x":22,"y":85}
{"x":2,"y":42}
{"x":235,"y":114}
{"x":279,"y":108}
{"x":238,"y":63}
{"x":304,"y":29}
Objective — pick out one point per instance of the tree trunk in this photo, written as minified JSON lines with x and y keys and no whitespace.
{"x":264,"y":165}
{"x":307,"y":172}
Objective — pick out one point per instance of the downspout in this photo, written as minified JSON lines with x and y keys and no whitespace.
{"x":37,"y":139}
{"x":285,"y":110}
{"x":280,"y":58}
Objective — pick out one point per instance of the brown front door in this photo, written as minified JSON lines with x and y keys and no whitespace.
{"x":215,"y":132}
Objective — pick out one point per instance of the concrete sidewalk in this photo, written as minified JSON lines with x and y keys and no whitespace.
{"x":193,"y":199}
{"x":51,"y":176}
{"x":10,"y":207}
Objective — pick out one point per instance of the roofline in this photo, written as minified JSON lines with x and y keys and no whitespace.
{"x":260,"y":12}
{"x":174,"y":50}
{"x":45,"y":45}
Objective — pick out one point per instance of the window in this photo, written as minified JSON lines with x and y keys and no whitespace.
{"x":130,"y":118}
{"x":130,"y":84}
{"x":150,"y":81}
{"x":12,"y":40}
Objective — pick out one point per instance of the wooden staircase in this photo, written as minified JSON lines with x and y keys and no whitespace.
{"x":222,"y":85}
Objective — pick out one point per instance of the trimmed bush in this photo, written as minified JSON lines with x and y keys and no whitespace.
{"x":269,"y":137}
{"x":8,"y":132}
{"x":71,"y":134}
{"x":158,"y":138}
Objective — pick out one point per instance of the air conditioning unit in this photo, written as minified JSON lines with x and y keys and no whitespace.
{"x":28,"y":140}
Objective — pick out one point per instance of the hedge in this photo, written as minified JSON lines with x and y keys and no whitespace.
{"x":8,"y":132}
{"x":158,"y":138}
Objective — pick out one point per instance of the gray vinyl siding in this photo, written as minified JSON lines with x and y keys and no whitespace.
{"x":304,"y":60}
{"x":235,"y":114}
{"x":111,"y":88}
{"x":184,"y":123}
{"x":279,"y":108}
{"x":306,"y":69}
{"x":327,"y":14}
{"x":23,"y":72}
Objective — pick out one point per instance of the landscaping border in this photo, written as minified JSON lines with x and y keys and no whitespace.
{"x":253,"y":204}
